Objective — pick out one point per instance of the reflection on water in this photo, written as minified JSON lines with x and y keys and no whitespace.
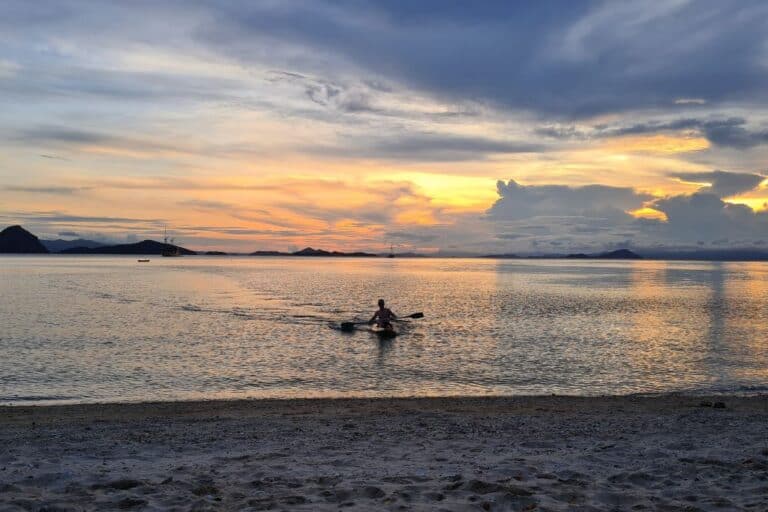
{"x":108,"y":328}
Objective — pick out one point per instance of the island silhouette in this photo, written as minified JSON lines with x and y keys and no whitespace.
{"x":17,"y":240}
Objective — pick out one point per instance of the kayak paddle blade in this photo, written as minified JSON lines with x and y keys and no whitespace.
{"x":416,"y":315}
{"x":347,"y":326}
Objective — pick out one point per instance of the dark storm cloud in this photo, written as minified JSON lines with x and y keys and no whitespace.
{"x":564,"y":58}
{"x":722,"y":184}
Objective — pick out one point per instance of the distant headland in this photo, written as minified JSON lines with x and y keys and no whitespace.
{"x":17,"y":240}
{"x":620,"y":254}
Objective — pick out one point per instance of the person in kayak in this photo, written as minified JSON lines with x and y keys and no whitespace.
{"x":383,"y":316}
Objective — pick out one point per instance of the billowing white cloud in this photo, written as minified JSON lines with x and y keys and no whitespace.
{"x":520,"y":201}
{"x":559,"y":218}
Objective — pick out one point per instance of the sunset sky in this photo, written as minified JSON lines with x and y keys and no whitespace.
{"x":352,"y":125}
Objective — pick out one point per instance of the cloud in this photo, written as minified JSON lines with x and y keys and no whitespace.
{"x":427,"y":147}
{"x":731,"y":133}
{"x":413,"y":236}
{"x":340,"y":102}
{"x":205,"y":204}
{"x":53,"y":190}
{"x":595,"y":217}
{"x":721,"y":183}
{"x":60,"y":217}
{"x":521,"y":202}
{"x":703,"y":216}
{"x":55,"y":134}
{"x":726,"y":132}
{"x":570,"y":59}
{"x":75,"y":138}
{"x":71,"y":234}
{"x":690,"y":101}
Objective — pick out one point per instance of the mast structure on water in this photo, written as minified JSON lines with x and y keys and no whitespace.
{"x":169,"y":249}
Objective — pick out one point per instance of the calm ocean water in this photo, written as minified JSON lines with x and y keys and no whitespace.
{"x":85,"y":329}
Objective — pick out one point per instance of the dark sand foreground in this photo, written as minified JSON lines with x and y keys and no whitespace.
{"x":543,"y":453}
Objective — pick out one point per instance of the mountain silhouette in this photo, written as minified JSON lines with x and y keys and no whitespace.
{"x":620,"y":254}
{"x":17,"y":240}
{"x":308,"y":251}
{"x":145,"y":247}
{"x":59,"y":245}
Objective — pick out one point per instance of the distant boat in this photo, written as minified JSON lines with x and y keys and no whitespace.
{"x":143,"y":261}
{"x":169,"y":250}
{"x":391,"y":251}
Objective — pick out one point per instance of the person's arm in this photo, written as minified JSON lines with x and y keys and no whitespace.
{"x":373,"y":318}
{"x":392,"y":314}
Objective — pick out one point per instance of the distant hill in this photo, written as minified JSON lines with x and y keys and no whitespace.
{"x":308,"y":251}
{"x":621,"y":254}
{"x":215,"y":253}
{"x":17,"y":240}
{"x":141,"y":248}
{"x":735,"y":254}
{"x":62,"y":245}
{"x":404,"y":255}
{"x":319,"y":252}
{"x":269,"y":253}
{"x":501,"y":256}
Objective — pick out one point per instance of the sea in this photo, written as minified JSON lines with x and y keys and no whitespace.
{"x":79,"y":329}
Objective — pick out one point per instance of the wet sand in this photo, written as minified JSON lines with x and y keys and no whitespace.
{"x":524,"y":453}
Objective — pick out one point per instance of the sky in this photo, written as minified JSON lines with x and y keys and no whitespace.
{"x":433,"y":126}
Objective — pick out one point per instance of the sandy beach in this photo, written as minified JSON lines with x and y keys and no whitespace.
{"x":522,"y":453}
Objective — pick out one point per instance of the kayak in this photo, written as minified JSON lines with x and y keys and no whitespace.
{"x":383,"y":332}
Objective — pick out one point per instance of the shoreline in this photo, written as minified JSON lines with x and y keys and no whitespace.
{"x":707,"y":395}
{"x":544,"y":453}
{"x":447,"y":403}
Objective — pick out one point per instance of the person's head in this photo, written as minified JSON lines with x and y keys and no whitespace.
{"x":381,"y":303}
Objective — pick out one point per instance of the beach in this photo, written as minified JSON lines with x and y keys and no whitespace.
{"x":667,"y":452}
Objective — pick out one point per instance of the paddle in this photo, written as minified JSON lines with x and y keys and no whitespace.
{"x":350,"y":326}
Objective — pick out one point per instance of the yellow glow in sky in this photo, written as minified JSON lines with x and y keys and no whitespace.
{"x":648,"y":213}
{"x":655,"y":144}
{"x":755,"y":203}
